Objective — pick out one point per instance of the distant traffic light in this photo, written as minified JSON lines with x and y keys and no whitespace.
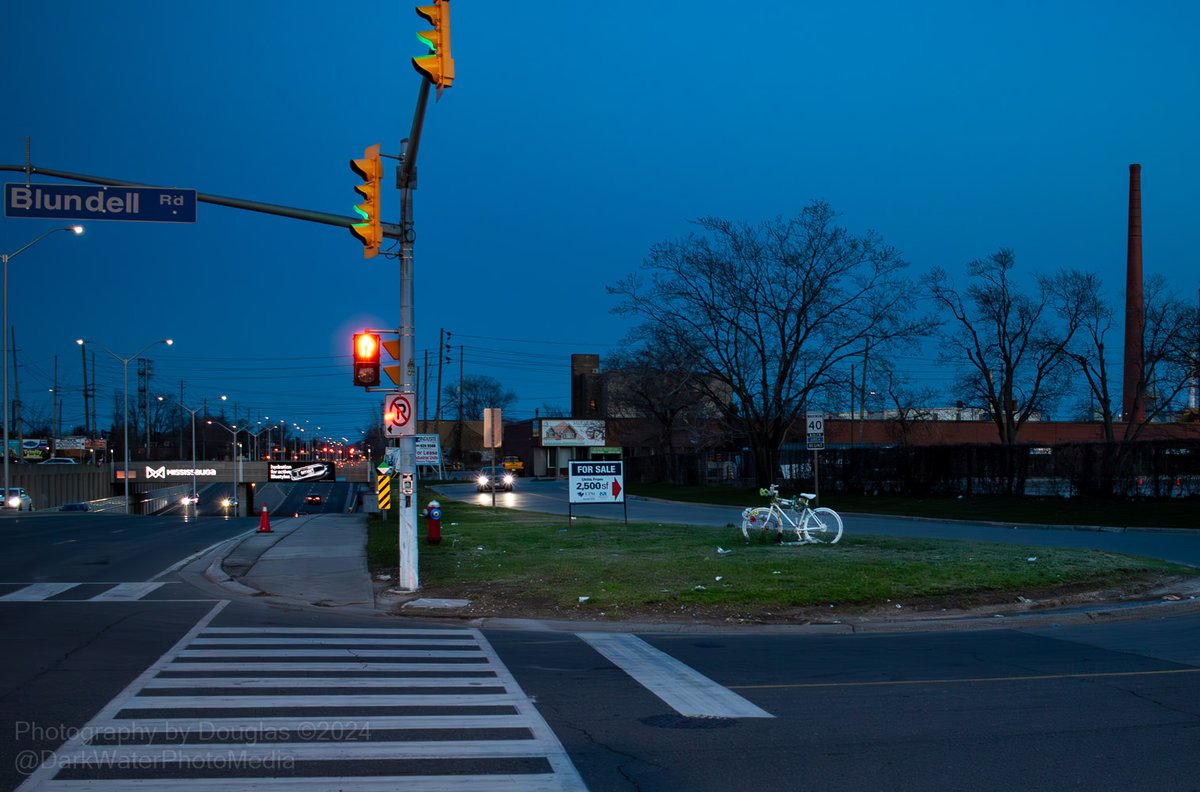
{"x":438,"y":65}
{"x":370,"y":231}
{"x":366,"y":360}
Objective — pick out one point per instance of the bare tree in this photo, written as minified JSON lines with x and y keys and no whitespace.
{"x":1007,"y":345}
{"x":478,"y":392}
{"x":1167,"y":365}
{"x":767,"y":312}
{"x":648,"y":381}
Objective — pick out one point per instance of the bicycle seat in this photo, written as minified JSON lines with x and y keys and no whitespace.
{"x":808,"y":495}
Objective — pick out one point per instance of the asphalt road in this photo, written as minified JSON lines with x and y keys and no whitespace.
{"x":1093,"y":706}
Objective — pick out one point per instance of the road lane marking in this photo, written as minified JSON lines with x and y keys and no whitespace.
{"x":969,"y":680}
{"x":120,"y":592}
{"x":37,"y":591}
{"x":684,"y":689}
{"x":126,"y":592}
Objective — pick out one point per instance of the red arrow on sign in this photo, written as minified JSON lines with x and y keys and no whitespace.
{"x":616,"y":488}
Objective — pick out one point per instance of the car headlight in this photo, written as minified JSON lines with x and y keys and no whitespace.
{"x":226,"y":503}
{"x":483,"y":480}
{"x":508,"y":480}
{"x":14,"y":502}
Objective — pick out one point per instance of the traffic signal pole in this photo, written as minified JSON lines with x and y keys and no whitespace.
{"x":408,"y":578}
{"x":389,"y":230}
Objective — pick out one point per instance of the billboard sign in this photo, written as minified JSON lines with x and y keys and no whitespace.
{"x":429,"y":450}
{"x":287,"y":471}
{"x":572,"y":432}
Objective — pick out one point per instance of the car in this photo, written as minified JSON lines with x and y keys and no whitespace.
{"x":17,"y":498}
{"x":313,"y":499}
{"x":75,"y":507}
{"x":494,"y":478}
{"x":59,"y":461}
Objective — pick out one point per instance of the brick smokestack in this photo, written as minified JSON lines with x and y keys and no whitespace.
{"x":1132,"y":406}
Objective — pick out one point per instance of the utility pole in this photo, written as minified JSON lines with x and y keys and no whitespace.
{"x":87,"y":426}
{"x":425,"y":388}
{"x":863,"y":392}
{"x":437,"y":410}
{"x":853,"y":390}
{"x":406,"y":179}
{"x":17,"y":397}
{"x":95,"y":421}
{"x":458,"y":439}
{"x":55,"y":422}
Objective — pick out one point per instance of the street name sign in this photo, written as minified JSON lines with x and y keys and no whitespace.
{"x":596,"y":482}
{"x":91,"y":202}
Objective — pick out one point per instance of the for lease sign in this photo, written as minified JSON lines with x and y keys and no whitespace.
{"x":596,"y":482}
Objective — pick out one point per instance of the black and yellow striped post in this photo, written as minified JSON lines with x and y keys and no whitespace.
{"x":383,"y":491}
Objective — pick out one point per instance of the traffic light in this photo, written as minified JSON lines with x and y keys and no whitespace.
{"x":366,"y":360}
{"x":370,"y":231}
{"x":437,"y":66}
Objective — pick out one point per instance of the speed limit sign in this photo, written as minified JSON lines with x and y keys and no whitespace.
{"x":399,"y":415}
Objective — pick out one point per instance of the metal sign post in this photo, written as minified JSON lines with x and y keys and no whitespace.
{"x":815,"y":428}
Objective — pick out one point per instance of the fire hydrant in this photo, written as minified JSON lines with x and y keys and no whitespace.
{"x":434,"y":532}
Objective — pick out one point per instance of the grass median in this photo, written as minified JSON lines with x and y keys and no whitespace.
{"x":1156,"y":513}
{"x":521,"y":563}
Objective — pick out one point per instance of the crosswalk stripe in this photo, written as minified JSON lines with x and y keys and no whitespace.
{"x":458,"y":783}
{"x":126,"y":592}
{"x":37,"y":591}
{"x":684,"y":689}
{"x":233,"y":722}
{"x":347,"y":652}
{"x":147,"y":727}
{"x":325,"y":751}
{"x":298,"y":642}
{"x":282,"y":702}
{"x":355,"y":631}
{"x":318,"y":682}
{"x":361,"y":668}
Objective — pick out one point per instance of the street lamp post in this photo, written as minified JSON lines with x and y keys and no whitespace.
{"x":234,"y":431}
{"x":193,"y":411}
{"x":4,"y":257}
{"x":125,"y":416}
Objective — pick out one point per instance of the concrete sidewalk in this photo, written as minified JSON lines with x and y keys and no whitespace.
{"x":319,"y":559}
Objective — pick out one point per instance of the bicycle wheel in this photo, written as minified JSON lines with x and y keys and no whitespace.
{"x":759,"y":522}
{"x":824,"y":526}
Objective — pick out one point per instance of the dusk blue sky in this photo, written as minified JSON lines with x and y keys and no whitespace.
{"x":576,"y":135}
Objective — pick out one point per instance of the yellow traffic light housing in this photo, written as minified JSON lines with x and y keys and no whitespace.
{"x":438,"y":65}
{"x":370,"y":231}
{"x":366,"y":360}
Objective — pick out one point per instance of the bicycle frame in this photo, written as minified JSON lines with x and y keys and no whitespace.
{"x":790,"y":519}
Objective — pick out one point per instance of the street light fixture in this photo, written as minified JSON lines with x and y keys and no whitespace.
{"x":4,"y":257}
{"x":125,"y":415}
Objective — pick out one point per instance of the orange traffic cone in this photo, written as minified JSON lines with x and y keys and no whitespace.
{"x":264,"y":522}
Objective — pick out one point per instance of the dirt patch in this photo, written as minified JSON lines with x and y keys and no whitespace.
{"x":505,"y":601}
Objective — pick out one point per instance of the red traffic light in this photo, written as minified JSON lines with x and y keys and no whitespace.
{"x":366,"y":359}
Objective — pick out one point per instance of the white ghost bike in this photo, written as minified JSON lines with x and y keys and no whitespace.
{"x":784,"y":519}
